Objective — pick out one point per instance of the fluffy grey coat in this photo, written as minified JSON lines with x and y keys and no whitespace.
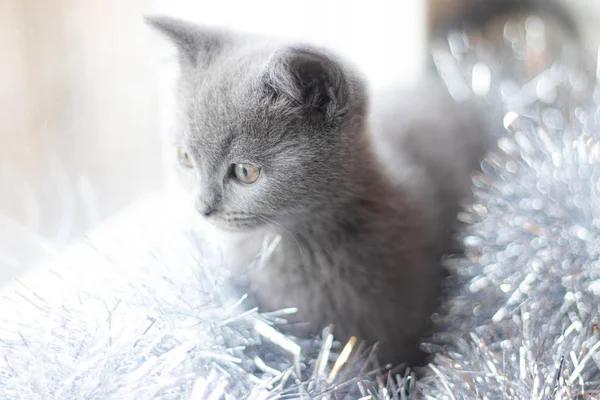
{"x":283,"y":139}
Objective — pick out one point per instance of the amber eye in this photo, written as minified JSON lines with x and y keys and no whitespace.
{"x":184,"y":158}
{"x":246,"y":173}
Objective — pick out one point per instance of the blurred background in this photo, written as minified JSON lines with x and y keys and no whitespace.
{"x":85,"y":99}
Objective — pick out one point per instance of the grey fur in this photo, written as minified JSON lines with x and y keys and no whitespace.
{"x":364,"y":201}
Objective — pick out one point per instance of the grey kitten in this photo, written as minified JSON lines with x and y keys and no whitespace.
{"x":280,"y":138}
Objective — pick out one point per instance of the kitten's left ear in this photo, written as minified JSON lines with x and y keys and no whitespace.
{"x":196,"y":44}
{"x":310,"y":79}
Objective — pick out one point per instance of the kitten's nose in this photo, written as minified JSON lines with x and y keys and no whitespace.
{"x":204,"y":208}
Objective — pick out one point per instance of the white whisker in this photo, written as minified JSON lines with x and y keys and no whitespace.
{"x":269,"y":222}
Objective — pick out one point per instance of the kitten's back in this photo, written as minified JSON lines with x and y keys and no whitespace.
{"x":431,"y":145}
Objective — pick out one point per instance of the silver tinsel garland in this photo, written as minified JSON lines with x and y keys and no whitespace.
{"x":522,"y":320}
{"x":142,"y":311}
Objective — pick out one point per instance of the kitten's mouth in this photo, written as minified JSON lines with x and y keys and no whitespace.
{"x":236,"y":223}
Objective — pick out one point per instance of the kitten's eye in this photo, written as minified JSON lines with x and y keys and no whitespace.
{"x":246,"y":173}
{"x":184,"y":158}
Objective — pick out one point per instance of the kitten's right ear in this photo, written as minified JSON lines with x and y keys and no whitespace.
{"x":196,"y":44}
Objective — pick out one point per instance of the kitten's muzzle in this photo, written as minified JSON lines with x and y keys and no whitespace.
{"x":205,"y":208}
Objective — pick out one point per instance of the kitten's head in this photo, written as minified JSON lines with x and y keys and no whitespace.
{"x":269,"y":132}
